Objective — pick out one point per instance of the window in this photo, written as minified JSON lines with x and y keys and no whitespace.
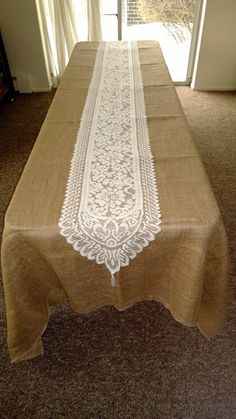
{"x":109,"y":18}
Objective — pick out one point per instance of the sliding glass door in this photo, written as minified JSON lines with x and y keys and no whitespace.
{"x":173,"y":23}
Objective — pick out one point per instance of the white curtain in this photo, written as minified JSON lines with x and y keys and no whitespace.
{"x":95,"y":30}
{"x":65,"y":22}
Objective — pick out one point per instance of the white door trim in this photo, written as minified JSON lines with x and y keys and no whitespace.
{"x":194,"y":39}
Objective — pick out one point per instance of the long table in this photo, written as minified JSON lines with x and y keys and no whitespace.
{"x":185,"y":267}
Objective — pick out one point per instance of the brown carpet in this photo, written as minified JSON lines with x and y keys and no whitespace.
{"x":140,"y":363}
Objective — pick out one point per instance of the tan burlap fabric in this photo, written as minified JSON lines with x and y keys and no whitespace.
{"x":185,"y":268}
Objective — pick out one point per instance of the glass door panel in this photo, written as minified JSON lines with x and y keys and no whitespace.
{"x":109,"y":20}
{"x":168,"y":21}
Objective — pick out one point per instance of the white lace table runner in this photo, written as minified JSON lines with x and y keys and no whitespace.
{"x":111,"y":210}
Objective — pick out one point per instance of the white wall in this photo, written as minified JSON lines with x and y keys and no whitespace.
{"x":21,"y":36}
{"x":215,"y":65}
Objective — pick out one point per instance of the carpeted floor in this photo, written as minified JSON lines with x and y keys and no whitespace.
{"x":141,"y":363}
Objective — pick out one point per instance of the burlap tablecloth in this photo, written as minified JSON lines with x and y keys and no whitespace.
{"x":185,"y":268}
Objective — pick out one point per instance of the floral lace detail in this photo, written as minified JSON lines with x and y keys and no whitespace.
{"x":111,"y":209}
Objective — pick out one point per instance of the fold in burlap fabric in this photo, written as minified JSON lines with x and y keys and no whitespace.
{"x":185,"y":267}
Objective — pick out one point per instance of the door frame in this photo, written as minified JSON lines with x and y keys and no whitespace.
{"x":193,"y":45}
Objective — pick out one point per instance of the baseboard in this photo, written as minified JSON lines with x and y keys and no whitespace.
{"x":41,"y":89}
{"x":215,"y":88}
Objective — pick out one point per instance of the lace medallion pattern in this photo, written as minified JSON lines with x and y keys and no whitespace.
{"x":111,"y":210}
